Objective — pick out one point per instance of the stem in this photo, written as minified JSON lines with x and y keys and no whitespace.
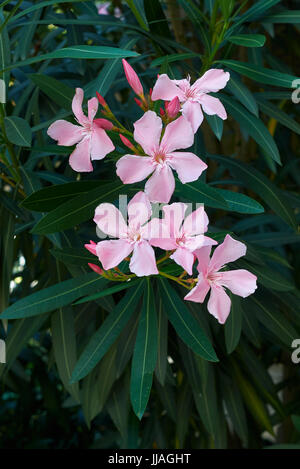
{"x":175,"y":279}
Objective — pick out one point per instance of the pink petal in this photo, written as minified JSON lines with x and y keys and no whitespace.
{"x":229,"y":251}
{"x":147,"y":131}
{"x":143,"y":260}
{"x":111,"y":253}
{"x":184,"y":258}
{"x":173,"y":218}
{"x":110,"y":221}
{"x":240,"y":282}
{"x":212,"y":80}
{"x":193,"y":113}
{"x":80,"y":159}
{"x":197,"y":242}
{"x":77,"y":107}
{"x":199,"y":292}
{"x":203,"y":256}
{"x":161,"y":185}
{"x":213,"y":106}
{"x":65,"y":133}
{"x":219,"y":303}
{"x":139,"y":210}
{"x":196,"y":222}
{"x":158,"y":234}
{"x":92,"y":108}
{"x":101,"y":144}
{"x":188,"y":166}
{"x":179,"y":134}
{"x":165,"y":89}
{"x":132,"y":168}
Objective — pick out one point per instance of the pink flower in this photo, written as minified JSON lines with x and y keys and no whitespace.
{"x":240,"y":282}
{"x":90,"y":136}
{"x":183,"y":236}
{"x":103,"y":8}
{"x":132,"y":78}
{"x":161,"y":157}
{"x":131,"y":238}
{"x":194,"y":97}
{"x":173,"y":107}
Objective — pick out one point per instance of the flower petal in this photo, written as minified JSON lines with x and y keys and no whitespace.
{"x":240,"y":282}
{"x":213,"y":106}
{"x":139,"y":210}
{"x":192,"y":111}
{"x":80,"y":159}
{"x":213,"y":80}
{"x":111,"y":253}
{"x":110,"y":221}
{"x":165,"y":89}
{"x":197,"y":242}
{"x":147,"y":131}
{"x":196,"y":222}
{"x":173,"y":218}
{"x":77,"y":107}
{"x":179,"y":134}
{"x":133,"y":168}
{"x":203,"y":256}
{"x":199,"y":292}
{"x":161,"y":185}
{"x":189,"y":167}
{"x":185,"y":259}
{"x":65,"y":133}
{"x":219,"y":303}
{"x":92,"y":108}
{"x":158,"y":234}
{"x":229,"y":251}
{"x":143,"y":260}
{"x":101,"y":144}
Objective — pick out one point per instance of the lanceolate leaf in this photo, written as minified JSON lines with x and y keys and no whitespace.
{"x":248,"y":40}
{"x":56,"y":90}
{"x":260,"y":74}
{"x":240,"y":203}
{"x":54,"y":297}
{"x":262,"y":186}
{"x":107,"y":333}
{"x":185,"y":324}
{"x":18,"y":131}
{"x":145,"y":354}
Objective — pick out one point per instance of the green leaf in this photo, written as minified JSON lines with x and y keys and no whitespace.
{"x":73,"y":256}
{"x":18,"y":131}
{"x":241,"y":92}
{"x":248,"y":40}
{"x":49,"y":198}
{"x":108,"y":291}
{"x":64,"y":345}
{"x":235,"y":407}
{"x":144,"y":355}
{"x":253,"y":126}
{"x":260,"y":74}
{"x":137,"y":8}
{"x":79,"y":209}
{"x":106,"y":335}
{"x":262,"y":186}
{"x":240,"y":203}
{"x":233,"y":326}
{"x":285,"y":16}
{"x":56,"y":90}
{"x":216,"y":124}
{"x":173,"y":58}
{"x":269,"y":278}
{"x":56,"y":296}
{"x":255,"y":12}
{"x":273,"y":111}
{"x":162,"y":326}
{"x":274,"y":321}
{"x":78,"y":52}
{"x":201,"y":193}
{"x":186,"y":326}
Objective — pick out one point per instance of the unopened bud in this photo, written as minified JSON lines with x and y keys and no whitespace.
{"x":126,"y":142}
{"x":132,"y":78}
{"x":173,"y":107}
{"x":96,"y":268}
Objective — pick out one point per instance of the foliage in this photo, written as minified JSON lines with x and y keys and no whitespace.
{"x":130,"y":361}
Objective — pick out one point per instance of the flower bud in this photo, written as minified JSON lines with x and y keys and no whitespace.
{"x":173,"y":107}
{"x":96,"y":268}
{"x":132,"y":78}
{"x":101,"y":100}
{"x":126,"y":142}
{"x":91,"y":247}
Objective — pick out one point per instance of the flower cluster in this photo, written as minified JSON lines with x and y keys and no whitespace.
{"x":156,"y":146}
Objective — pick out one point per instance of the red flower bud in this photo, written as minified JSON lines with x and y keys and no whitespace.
{"x":132,"y":78}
